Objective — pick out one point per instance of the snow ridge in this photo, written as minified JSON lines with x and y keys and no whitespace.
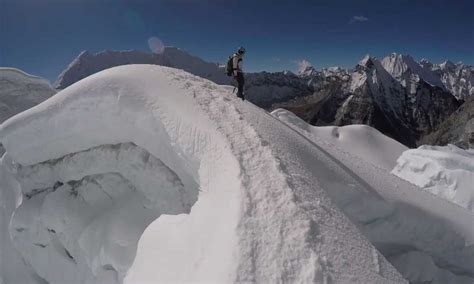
{"x":258,"y":225}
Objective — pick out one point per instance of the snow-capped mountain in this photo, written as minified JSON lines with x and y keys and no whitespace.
{"x":371,"y":95}
{"x":457,"y":78}
{"x":151,"y":174}
{"x":409,"y":73}
{"x":375,"y":99}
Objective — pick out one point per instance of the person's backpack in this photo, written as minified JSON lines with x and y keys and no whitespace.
{"x":229,"y":67}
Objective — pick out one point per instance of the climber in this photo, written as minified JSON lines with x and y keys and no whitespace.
{"x":234,"y":68}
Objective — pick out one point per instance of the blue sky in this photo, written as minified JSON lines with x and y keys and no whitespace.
{"x":43,"y":36}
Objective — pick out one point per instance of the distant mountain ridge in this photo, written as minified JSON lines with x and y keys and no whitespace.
{"x":392,"y":95}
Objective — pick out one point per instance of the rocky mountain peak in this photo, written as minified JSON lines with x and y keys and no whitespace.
{"x":447,"y":65}
{"x":426,"y":64}
{"x":306,"y":69}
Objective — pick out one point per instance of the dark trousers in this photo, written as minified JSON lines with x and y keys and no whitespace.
{"x":240,"y":84}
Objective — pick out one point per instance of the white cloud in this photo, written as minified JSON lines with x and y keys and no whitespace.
{"x":358,"y":19}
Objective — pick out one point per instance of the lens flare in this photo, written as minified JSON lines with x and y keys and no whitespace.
{"x":156,"y":45}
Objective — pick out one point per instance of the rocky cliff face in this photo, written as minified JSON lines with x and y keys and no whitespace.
{"x":265,"y":89}
{"x":458,"y":78}
{"x":457,"y":129}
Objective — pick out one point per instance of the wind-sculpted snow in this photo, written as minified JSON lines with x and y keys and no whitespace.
{"x":98,"y":200}
{"x":151,"y":148}
{"x":445,"y":171}
{"x":398,"y":218}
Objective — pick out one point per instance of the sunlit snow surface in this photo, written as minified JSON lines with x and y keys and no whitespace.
{"x":132,"y":143}
{"x":205,"y":187}
{"x":445,"y":171}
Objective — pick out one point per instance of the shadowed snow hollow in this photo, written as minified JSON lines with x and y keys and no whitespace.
{"x":223,"y":191}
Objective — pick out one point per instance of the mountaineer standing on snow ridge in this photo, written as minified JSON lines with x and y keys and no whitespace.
{"x":234,"y":68}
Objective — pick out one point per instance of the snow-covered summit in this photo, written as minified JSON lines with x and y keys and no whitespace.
{"x":425,"y":63}
{"x":370,"y":71}
{"x":447,"y":66}
{"x":456,"y":78}
{"x":134,"y":143}
{"x":408,"y":72}
{"x":306,"y":69}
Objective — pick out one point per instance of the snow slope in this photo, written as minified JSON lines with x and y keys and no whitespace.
{"x":362,"y":140}
{"x":20,"y":91}
{"x":412,"y":228}
{"x":446,"y":171}
{"x":237,"y":195}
